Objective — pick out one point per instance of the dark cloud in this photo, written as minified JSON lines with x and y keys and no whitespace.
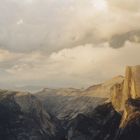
{"x":118,"y":41}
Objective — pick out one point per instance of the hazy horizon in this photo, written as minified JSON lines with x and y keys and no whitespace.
{"x":67,"y":43}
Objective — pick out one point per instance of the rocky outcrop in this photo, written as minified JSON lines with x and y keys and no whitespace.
{"x":132,"y":82}
{"x":132,"y":110}
{"x":130,"y":123}
{"x":101,"y":124}
{"x":22,"y":117}
{"x":103,"y":90}
{"x":117,"y":97}
{"x":126,"y":100}
{"x":129,"y":88}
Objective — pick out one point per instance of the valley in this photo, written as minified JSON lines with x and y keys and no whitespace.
{"x":108,"y":111}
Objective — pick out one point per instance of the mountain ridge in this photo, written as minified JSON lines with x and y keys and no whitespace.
{"x":70,"y":102}
{"x":107,"y":111}
{"x":23,"y":117}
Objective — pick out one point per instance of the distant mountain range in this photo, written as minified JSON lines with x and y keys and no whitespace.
{"x":108,"y":111}
{"x":67,"y":103}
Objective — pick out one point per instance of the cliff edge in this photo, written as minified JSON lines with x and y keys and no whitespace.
{"x":128,"y":89}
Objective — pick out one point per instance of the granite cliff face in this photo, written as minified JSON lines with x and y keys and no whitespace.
{"x":132,"y":82}
{"x":126,"y":100}
{"x":126,"y":91}
{"x":129,"y":88}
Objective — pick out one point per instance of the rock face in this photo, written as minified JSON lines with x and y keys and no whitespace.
{"x":22,"y":117}
{"x":130,"y":123}
{"x":117,"y":97}
{"x":126,"y":99}
{"x":129,"y":88}
{"x":132,"y":82}
{"x":101,"y":124}
{"x":123,"y":94}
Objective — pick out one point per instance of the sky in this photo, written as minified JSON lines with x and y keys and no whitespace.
{"x":67,"y":43}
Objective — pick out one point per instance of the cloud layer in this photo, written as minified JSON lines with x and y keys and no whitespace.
{"x":52,"y":25}
{"x":78,"y":66}
{"x":67,"y":43}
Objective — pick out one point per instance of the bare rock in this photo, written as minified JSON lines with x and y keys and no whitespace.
{"x":129,"y":88}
